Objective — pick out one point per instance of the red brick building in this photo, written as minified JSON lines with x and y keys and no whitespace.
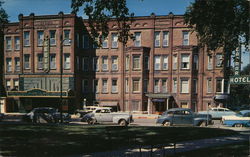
{"x":162,"y":68}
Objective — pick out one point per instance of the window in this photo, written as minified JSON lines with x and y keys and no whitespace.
{"x":209,"y":85}
{"x":174,"y":62}
{"x":137,"y":39}
{"x":16,"y":84}
{"x":165,"y":39}
{"x":195,"y":87}
{"x":26,"y":61}
{"x":185,"y":36}
{"x":226,"y":86}
{"x":40,"y":61}
{"x":96,"y":86}
{"x":105,"y":63}
{"x":17,"y":64}
{"x":85,"y":86}
{"x":67,"y":61}
{"x":174,"y":85}
{"x":184,"y":61}
{"x":164,"y":86}
{"x":196,"y":63}
{"x":52,"y":37}
{"x":184,"y":86}
{"x":219,"y":85}
{"x":184,"y":105}
{"x":85,"y":39}
{"x":17,"y":43}
{"x":52,"y":61}
{"x":146,"y":63}
{"x":7,"y":85}
{"x":114,"y":63}
{"x":114,"y":86}
{"x":67,"y":37}
{"x":104,"y":86}
{"x":136,"y":85}
{"x":157,"y":39}
{"x":114,"y":40}
{"x":104,"y":42}
{"x":135,"y":105}
{"x":96,"y":64}
{"x":9,"y":65}
{"x":165,"y":63}
{"x":219,"y":60}
{"x":136,"y":62}
{"x":8,"y":43}
{"x":127,"y":63}
{"x":77,"y":40}
{"x":85,"y":63}
{"x":157,"y":60}
{"x":40,"y":38}
{"x":26,"y":39}
{"x":126,"y":85}
{"x":156,"y":86}
{"x":77,"y":63}
{"x":209,"y":62}
{"x":145,"y":86}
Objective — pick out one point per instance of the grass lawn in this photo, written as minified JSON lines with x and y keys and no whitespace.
{"x":58,"y":140}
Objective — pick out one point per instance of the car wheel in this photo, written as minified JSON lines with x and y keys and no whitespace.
{"x":166,"y":123}
{"x":238,"y":125}
{"x":123,"y":122}
{"x":203,"y":124}
{"x":91,"y":121}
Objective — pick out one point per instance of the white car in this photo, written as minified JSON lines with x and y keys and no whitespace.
{"x":239,"y":120}
{"x":218,"y":112}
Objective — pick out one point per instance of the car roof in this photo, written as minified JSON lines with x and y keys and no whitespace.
{"x":244,"y":111}
{"x":179,"y":109}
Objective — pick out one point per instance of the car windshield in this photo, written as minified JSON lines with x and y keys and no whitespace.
{"x":239,"y":114}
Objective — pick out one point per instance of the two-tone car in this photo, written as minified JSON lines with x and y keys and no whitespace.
{"x":183,"y":116}
{"x":242,"y":119}
{"x":218,"y":112}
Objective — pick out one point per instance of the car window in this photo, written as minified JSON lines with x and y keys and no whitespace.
{"x":170,"y":113}
{"x":246,"y":114}
{"x":178,"y":112}
{"x":214,"y":109}
{"x":221,"y":109}
{"x":186,"y":113}
{"x":98,"y":111}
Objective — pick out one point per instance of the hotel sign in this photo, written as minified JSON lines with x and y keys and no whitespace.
{"x":240,"y":79}
{"x":46,"y":50}
{"x":237,"y":66}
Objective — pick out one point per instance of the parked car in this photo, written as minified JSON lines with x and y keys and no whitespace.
{"x":239,"y":120}
{"x":87,"y":109}
{"x":45,"y":115}
{"x":182,"y":116}
{"x":217,"y":113}
{"x":1,"y":116}
{"x":105,"y":115}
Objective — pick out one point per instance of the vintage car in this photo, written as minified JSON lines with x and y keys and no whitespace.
{"x":45,"y":115}
{"x":182,"y":116}
{"x":218,"y":112}
{"x":242,"y":119}
{"x":105,"y":115}
{"x":1,"y":116}
{"x":87,"y":109}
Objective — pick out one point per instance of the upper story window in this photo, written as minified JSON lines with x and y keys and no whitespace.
{"x":85,"y":43}
{"x":16,"y":84}
{"x":66,"y":37}
{"x":53,"y":61}
{"x":52,"y":37}
{"x":67,"y":61}
{"x":174,"y":85}
{"x":165,"y":39}
{"x":85,"y":63}
{"x":104,"y":86}
{"x":184,"y":86}
{"x":96,"y":64}
{"x":40,"y":37}
{"x":126,"y":85}
{"x":105,"y":63}
{"x":209,"y":85}
{"x":157,"y":60}
{"x":85,"y":85}
{"x":164,"y":86}
{"x":184,"y":61}
{"x":114,"y":86}
{"x":104,"y":42}
{"x":114,"y":63}
{"x":8,"y":85}
{"x":136,"y":62}
{"x":157,"y":39}
{"x":8,"y":43}
{"x":219,"y":60}
{"x":26,"y":61}
{"x":210,"y":62}
{"x":196,"y":62}
{"x":77,"y":40}
{"x":137,"y":39}
{"x":127,"y":62}
{"x":156,"y":86}
{"x":40,"y":61}
{"x":26,"y":38}
{"x":17,"y":64}
{"x":175,"y":62}
{"x":114,"y":40}
{"x":96,"y":86}
{"x":185,"y":36}
{"x":8,"y":65}
{"x":136,"y":85}
{"x":219,"y":85}
{"x":17,"y":43}
{"x":164,"y":62}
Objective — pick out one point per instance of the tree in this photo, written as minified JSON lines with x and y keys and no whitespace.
{"x":3,"y":20}
{"x":100,"y":12}
{"x":220,"y":24}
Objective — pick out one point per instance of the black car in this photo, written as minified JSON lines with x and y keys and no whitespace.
{"x":46,"y":115}
{"x":1,"y":116}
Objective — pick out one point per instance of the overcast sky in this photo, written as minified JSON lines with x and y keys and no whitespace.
{"x":139,"y":7}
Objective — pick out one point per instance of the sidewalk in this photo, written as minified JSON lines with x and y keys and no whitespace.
{"x":180,"y":147}
{"x":145,"y":116}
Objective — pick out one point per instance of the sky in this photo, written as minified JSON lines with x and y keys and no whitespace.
{"x":138,"y":7}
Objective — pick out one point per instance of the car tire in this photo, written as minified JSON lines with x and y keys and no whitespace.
{"x":166,"y":123}
{"x":123,"y":122}
{"x":91,"y":121}
{"x":203,"y":124}
{"x":238,"y":125}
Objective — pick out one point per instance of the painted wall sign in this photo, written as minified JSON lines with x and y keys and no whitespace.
{"x":237,"y":64}
{"x":46,"y":50}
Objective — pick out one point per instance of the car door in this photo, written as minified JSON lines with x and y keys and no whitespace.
{"x":187,"y":118}
{"x":106,"y":115}
{"x":177,"y":118}
{"x":98,"y":115}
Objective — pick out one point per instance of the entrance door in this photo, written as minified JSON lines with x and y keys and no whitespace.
{"x":160,"y":107}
